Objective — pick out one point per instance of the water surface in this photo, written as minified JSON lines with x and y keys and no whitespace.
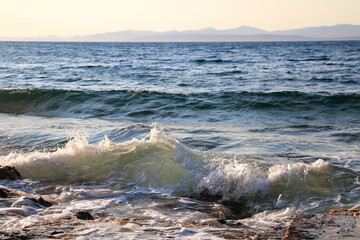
{"x":165,"y":139}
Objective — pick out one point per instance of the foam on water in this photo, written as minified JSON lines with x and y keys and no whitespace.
{"x":149,"y":161}
{"x":269,"y":218}
{"x":159,"y":181}
{"x":233,"y":180}
{"x":158,"y":161}
{"x":266,"y":149}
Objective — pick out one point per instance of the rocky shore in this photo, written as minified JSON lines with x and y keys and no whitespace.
{"x":336,"y":224}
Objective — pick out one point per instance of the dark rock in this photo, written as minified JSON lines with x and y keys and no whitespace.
{"x":9,"y":172}
{"x":213,"y":209}
{"x":56,"y":232}
{"x":84,"y":215}
{"x":232,"y":223}
{"x":44,"y":202}
{"x":41,"y":202}
{"x":222,"y":221}
{"x":4,"y":193}
{"x":38,"y":202}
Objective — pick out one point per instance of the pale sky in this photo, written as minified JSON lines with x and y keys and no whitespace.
{"x":28,"y":18}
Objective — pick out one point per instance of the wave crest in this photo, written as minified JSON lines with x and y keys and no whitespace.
{"x":161,"y":162}
{"x":155,"y":160}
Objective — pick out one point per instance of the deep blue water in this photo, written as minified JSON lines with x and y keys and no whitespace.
{"x":268,"y":105}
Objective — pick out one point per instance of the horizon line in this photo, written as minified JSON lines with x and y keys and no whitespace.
{"x":213,"y":28}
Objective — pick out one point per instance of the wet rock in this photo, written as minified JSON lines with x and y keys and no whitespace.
{"x":351,"y":212}
{"x":221,"y":211}
{"x":84,"y":215}
{"x":56,"y":232}
{"x":32,"y":202}
{"x":44,"y":202}
{"x":213,"y":209}
{"x":4,"y":193}
{"x":14,"y":235}
{"x":172,"y":205}
{"x":230,"y":223}
{"x":337,"y":224}
{"x":9,"y":172}
{"x":222,"y":221}
{"x":233,"y":224}
{"x":14,"y":211}
{"x":303,"y":226}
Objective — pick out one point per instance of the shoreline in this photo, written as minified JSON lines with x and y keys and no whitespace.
{"x":335,"y":224}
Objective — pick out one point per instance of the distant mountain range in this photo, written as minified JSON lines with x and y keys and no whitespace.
{"x":240,"y":34}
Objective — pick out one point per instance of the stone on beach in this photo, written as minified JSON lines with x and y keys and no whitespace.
{"x":4,"y":193}
{"x":84,"y":215}
{"x":9,"y":172}
{"x":31,"y":201}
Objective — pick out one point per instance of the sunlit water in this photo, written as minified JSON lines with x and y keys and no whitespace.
{"x":170,"y":139}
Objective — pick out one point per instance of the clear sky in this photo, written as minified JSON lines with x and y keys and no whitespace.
{"x":26,"y":18}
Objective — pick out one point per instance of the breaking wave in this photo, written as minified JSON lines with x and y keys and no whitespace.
{"x":161,"y":162}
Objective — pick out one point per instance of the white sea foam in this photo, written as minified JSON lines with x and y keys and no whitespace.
{"x":233,"y":180}
{"x":158,"y":161}
{"x":287,"y":172}
{"x":269,"y":218}
{"x":156,"y":156}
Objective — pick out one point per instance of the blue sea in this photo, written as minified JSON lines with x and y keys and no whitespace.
{"x":178,"y":140}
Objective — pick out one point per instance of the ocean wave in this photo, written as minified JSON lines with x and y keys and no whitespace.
{"x":156,"y":160}
{"x":161,"y":162}
{"x":132,"y":103}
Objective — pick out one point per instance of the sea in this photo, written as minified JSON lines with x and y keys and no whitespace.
{"x":177,"y":140}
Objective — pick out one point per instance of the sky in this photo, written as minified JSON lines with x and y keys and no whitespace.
{"x":31,"y":18}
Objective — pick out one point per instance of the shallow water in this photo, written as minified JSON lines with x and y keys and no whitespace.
{"x":196,"y":140}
